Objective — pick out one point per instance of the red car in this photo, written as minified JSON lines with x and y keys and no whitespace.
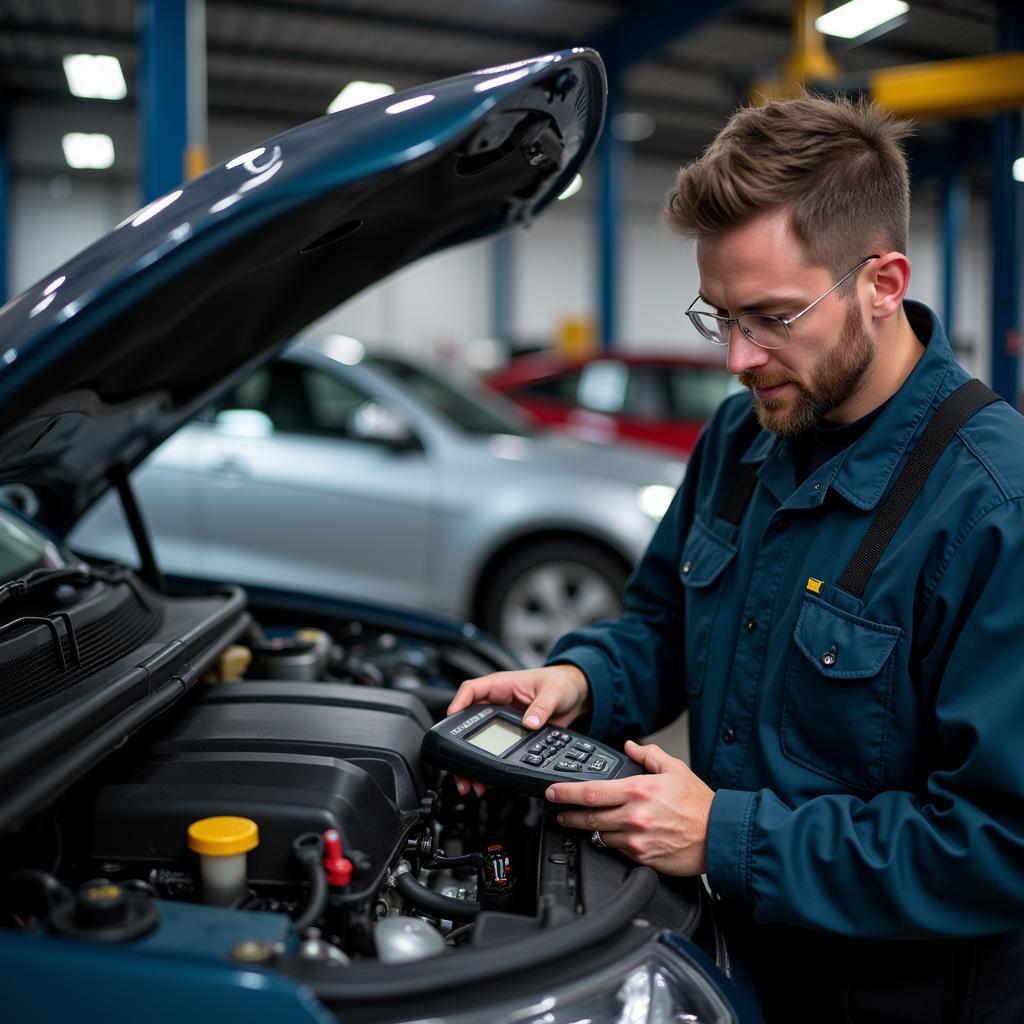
{"x":657,"y":398}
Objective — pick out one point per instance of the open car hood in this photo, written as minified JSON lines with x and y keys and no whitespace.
{"x":109,"y":354}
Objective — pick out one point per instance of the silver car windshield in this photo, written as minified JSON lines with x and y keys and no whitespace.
{"x":471,"y":413}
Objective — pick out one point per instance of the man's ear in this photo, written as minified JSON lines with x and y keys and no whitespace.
{"x":889,"y":278}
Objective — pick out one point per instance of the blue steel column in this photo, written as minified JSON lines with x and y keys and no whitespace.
{"x":163,"y":87}
{"x":954,"y":216}
{"x":610,"y":158}
{"x":644,"y":28}
{"x":502,"y":290}
{"x":1005,"y":227}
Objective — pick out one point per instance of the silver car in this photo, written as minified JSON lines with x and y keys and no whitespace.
{"x":344,"y":473}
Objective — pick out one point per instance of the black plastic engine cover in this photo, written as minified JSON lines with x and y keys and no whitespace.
{"x":293,"y":757}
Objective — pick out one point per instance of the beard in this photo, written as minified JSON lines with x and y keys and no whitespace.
{"x":832,"y":381}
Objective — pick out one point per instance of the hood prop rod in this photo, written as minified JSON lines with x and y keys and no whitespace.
{"x":149,"y":570}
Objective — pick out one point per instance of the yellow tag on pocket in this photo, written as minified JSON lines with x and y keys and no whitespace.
{"x":813,"y":585}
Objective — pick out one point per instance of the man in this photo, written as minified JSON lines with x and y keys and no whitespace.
{"x":855,"y":797}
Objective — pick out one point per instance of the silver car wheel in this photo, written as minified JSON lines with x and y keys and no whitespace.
{"x":552,"y":598}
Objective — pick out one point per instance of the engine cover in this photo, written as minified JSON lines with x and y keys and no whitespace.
{"x":293,"y":757}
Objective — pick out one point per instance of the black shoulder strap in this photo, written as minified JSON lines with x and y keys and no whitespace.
{"x":954,"y":412}
{"x":736,"y":503}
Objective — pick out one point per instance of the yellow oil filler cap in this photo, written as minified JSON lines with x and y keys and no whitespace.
{"x":223,"y":836}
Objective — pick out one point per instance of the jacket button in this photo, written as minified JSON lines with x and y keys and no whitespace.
{"x":828,"y":659}
{"x":687,"y":566}
{"x":751,"y":625}
{"x":729,"y":736}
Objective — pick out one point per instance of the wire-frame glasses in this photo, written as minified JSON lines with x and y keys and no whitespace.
{"x":763,"y":329}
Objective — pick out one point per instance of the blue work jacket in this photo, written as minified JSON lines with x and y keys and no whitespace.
{"x":867,"y":754}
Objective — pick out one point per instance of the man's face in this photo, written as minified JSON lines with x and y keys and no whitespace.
{"x":760,"y":267}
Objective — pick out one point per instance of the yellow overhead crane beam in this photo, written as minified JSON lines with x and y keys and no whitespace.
{"x":964,"y":86}
{"x":952,"y":88}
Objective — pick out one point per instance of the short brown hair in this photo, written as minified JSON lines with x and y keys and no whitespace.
{"x":838,"y":164}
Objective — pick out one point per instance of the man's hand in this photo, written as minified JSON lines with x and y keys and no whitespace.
{"x":660,"y":819}
{"x":558,"y":693}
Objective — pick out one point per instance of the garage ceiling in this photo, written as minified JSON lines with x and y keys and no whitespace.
{"x":285,"y":61}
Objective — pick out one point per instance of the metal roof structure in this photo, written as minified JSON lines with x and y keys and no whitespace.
{"x":284,"y":60}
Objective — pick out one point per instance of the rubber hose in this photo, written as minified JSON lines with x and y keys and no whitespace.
{"x":464,"y":860}
{"x":317,"y":898}
{"x":435,"y":903}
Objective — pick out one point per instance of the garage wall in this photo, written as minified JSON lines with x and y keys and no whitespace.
{"x":444,"y":302}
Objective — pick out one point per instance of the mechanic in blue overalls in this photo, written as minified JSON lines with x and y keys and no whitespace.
{"x":834,"y":595}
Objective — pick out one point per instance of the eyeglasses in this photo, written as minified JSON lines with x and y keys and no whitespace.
{"x":763,"y":329}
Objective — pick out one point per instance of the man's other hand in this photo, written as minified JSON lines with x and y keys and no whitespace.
{"x":660,"y":819}
{"x":558,"y":693}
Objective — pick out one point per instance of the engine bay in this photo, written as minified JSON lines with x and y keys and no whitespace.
{"x":238,"y":778}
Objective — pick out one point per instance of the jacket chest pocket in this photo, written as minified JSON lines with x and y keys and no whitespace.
{"x":702,"y":564}
{"x":838,"y":695}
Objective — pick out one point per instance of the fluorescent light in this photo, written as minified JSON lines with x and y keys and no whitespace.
{"x":859,"y":16}
{"x":573,"y":187}
{"x":356,"y":93}
{"x":95,"y":76}
{"x":85,"y":151}
{"x":1018,"y":169}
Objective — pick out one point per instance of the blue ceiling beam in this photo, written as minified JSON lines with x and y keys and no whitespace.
{"x":649,"y":26}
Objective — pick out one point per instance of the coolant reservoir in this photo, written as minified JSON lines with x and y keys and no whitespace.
{"x":222,"y":844}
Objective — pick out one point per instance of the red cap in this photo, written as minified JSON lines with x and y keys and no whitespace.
{"x":337,"y":868}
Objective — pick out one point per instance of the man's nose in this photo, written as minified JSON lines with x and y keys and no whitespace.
{"x":743,"y":353}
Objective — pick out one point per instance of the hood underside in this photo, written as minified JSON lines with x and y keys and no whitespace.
{"x":107,"y":356}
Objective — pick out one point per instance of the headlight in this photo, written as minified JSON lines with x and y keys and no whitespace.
{"x":657,"y":988}
{"x":655,"y":500}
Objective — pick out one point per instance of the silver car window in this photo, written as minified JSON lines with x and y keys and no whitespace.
{"x":299,"y":399}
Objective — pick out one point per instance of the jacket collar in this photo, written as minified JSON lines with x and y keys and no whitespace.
{"x":861,"y":474}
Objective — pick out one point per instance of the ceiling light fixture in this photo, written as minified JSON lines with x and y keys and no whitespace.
{"x":1018,"y":169}
{"x":358,"y":92}
{"x":95,"y":76}
{"x":84,"y":151}
{"x":853,"y":19}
